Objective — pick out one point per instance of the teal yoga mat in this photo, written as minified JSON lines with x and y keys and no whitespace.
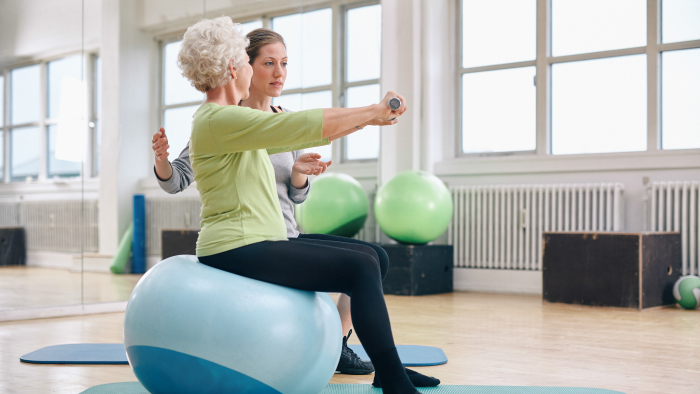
{"x":136,"y":388}
{"x":114,"y":353}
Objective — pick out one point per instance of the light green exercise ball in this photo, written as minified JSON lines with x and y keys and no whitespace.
{"x":414,"y":207}
{"x":336,"y":205}
{"x":686,"y":291}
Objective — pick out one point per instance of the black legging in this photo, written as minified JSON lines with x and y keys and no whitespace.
{"x":329,"y":266}
{"x":381,"y":253}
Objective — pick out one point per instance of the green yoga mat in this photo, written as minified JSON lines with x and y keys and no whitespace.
{"x":136,"y":388}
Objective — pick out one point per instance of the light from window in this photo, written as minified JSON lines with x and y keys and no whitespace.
{"x":61,"y":74}
{"x":599,"y":105}
{"x":2,"y":155}
{"x":2,"y":103}
{"x":25,"y":153}
{"x":304,"y":101}
{"x":24,"y":94}
{"x":58,"y":167}
{"x":680,"y":92}
{"x":250,"y":26}
{"x":498,"y":32}
{"x":498,"y":111}
{"x":680,"y":20}
{"x":584,"y":26}
{"x":308,"y":39}
{"x":363,"y":144}
{"x":364,"y":34}
{"x":97,"y":138}
{"x":178,"y":127}
{"x":177,"y":89}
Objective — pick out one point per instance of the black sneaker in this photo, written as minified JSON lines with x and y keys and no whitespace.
{"x":350,"y":363}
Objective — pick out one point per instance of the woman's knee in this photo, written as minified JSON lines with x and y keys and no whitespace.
{"x":365,"y":266}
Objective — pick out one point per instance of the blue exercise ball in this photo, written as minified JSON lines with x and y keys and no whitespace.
{"x":190,"y":328}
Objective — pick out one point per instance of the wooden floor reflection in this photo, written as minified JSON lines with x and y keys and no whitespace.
{"x":34,"y":287}
{"x":489,"y":340}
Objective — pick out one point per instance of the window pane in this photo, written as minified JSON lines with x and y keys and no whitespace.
{"x":24,"y":153}
{"x":57,"y":165}
{"x":98,"y":87}
{"x":177,"y":89}
{"x":178,"y":128}
{"x":304,"y":101}
{"x":63,"y":75}
{"x":583,"y":26}
{"x":498,"y":111}
{"x":363,"y":144}
{"x":680,"y":92}
{"x":2,"y":155}
{"x":599,"y":105}
{"x":96,"y":149}
{"x":96,"y":126}
{"x":308,"y":39}
{"x":2,"y":102}
{"x":497,"y":32}
{"x":364,"y":43}
{"x":25,"y":93}
{"x":250,"y":26}
{"x":680,"y":20}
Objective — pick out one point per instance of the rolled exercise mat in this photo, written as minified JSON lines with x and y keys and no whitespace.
{"x":411,"y":355}
{"x":81,"y":353}
{"x":114,"y":353}
{"x":138,"y":249}
{"x":137,"y":388}
{"x":123,"y":251}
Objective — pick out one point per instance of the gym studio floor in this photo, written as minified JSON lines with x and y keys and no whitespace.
{"x":489,"y":340}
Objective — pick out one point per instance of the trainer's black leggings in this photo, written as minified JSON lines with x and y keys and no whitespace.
{"x":326,"y":265}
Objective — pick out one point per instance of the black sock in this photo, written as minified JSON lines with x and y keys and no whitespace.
{"x":418,"y":379}
{"x":389,"y":367}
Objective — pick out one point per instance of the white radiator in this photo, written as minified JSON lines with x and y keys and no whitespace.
{"x":674,"y":206}
{"x":500,"y":226}
{"x":169,"y":213}
{"x":54,"y":226}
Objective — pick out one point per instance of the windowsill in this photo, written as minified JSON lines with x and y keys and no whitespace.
{"x":50,"y":189}
{"x":357,"y":170}
{"x":538,"y":164}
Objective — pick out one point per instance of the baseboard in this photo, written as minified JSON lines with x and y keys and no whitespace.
{"x":50,"y":260}
{"x":92,"y":262}
{"x":498,"y":281}
{"x":62,"y":311}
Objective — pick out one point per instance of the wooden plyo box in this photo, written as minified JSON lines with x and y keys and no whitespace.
{"x":419,"y":269}
{"x":629,"y":270}
{"x":174,"y":242}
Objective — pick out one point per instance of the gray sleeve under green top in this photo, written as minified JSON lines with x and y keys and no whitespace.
{"x":287,"y":194}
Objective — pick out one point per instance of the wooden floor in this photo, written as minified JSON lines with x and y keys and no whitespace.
{"x":36,"y":287}
{"x":489,"y":340}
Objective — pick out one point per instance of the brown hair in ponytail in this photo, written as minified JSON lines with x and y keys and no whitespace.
{"x":258,"y":39}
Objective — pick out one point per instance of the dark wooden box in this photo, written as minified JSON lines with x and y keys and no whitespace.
{"x":174,"y":242}
{"x":13,"y":249}
{"x":629,"y":270}
{"x":419,"y":269}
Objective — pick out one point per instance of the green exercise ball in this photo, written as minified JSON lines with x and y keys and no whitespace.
{"x":686,"y":291}
{"x":336,"y":205}
{"x":414,"y":207}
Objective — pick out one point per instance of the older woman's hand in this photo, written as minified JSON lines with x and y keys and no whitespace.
{"x":388,"y":114}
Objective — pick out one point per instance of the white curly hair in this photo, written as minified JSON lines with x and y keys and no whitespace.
{"x":208,"y":48}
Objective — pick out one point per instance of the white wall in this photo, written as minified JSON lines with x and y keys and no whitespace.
{"x":39,"y":29}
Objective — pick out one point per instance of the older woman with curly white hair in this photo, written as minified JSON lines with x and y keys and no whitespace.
{"x":243,"y":231}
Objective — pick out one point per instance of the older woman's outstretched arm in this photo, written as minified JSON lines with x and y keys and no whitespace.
{"x":339,"y":122}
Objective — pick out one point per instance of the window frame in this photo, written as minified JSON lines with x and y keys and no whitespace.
{"x":543,"y":78}
{"x":44,"y":121}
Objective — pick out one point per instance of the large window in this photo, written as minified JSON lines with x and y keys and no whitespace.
{"x":45,"y":132}
{"x":583,"y":80}
{"x":315,"y":38}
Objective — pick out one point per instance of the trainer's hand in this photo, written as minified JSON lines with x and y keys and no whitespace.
{"x":310,"y":164}
{"x":388,"y":114}
{"x":160,"y":145}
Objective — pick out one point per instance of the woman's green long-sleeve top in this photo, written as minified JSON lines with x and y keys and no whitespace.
{"x":229,"y":154}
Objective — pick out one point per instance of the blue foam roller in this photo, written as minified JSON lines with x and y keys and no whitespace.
{"x":138,"y":246}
